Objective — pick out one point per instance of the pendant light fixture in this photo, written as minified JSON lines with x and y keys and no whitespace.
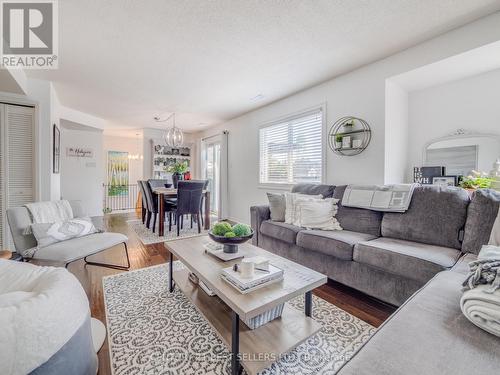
{"x":173,"y":136}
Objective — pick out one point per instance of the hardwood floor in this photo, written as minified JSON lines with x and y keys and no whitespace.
{"x":354,"y":302}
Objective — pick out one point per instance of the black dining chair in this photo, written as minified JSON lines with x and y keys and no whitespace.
{"x":150,"y":203}
{"x":189,"y":194}
{"x":152,"y":200}
{"x":144,"y":209}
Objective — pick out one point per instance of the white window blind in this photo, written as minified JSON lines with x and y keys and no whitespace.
{"x":291,"y":151}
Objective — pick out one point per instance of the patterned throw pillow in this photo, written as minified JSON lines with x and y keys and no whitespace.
{"x":49,"y":233}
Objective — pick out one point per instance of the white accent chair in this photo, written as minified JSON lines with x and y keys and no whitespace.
{"x":64,"y":252}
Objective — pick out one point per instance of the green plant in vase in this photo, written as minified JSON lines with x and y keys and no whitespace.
{"x":348,"y":125}
{"x":338,"y":141}
{"x":475,"y":181}
{"x":177,"y":169}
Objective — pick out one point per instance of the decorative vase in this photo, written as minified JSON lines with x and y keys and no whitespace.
{"x":187,"y":176}
{"x":175,"y":179}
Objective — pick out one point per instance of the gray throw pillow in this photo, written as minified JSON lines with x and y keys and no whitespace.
{"x":277,"y":206}
{"x":49,"y":233}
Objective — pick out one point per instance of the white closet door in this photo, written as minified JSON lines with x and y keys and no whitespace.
{"x":20,"y":180}
{"x":3,"y":144}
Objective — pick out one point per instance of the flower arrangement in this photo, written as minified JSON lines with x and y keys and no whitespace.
{"x":478,"y":180}
{"x":179,"y":167}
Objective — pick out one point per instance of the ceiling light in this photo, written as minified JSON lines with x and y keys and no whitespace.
{"x":173,"y":136}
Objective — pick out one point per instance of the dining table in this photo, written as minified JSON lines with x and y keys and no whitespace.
{"x":163,"y":192}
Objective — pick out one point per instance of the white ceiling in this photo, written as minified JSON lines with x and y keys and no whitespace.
{"x":128,"y":60}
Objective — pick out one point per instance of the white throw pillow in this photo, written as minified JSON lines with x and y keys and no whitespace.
{"x":318,"y":214}
{"x":291,"y":202}
{"x":49,"y":233}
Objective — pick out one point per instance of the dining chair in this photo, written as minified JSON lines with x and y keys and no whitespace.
{"x":153,"y":202}
{"x":189,"y":194}
{"x":144,"y":209}
{"x":150,"y":204}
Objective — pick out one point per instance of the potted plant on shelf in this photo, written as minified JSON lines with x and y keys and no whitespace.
{"x":476,"y":181}
{"x":338,"y":141}
{"x":177,"y":169}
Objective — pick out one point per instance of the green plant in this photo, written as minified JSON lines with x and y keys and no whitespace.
{"x":179,"y":167}
{"x":220,"y":229}
{"x":230,"y":235}
{"x":338,"y":138}
{"x":476,"y":181}
{"x":241,"y":230}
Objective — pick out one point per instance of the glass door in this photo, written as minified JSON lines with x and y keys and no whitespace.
{"x":211,"y":172}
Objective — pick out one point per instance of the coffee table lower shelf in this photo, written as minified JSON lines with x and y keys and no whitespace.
{"x":260,"y":347}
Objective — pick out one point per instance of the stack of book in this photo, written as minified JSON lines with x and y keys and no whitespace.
{"x":258,"y":280}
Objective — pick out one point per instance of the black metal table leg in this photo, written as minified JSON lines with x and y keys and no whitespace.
{"x":308,"y":303}
{"x":170,"y":274}
{"x":235,"y":344}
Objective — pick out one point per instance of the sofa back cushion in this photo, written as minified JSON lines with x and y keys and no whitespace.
{"x":436,"y":216}
{"x":311,"y":189}
{"x":481,"y":214}
{"x":357,"y":219}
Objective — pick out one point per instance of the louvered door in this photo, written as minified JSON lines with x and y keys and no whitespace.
{"x":17,"y":174}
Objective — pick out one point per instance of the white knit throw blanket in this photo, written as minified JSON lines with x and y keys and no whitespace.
{"x":50,"y":211}
{"x":495,"y":231}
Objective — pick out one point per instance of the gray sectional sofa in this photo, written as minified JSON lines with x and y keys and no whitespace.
{"x":416,"y":260}
{"x":386,"y":255}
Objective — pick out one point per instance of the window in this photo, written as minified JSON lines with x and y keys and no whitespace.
{"x":291,"y":150}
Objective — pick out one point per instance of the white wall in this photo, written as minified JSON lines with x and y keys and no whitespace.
{"x":360,"y":93}
{"x":396,"y":133}
{"x":82,"y":178}
{"x":471,"y":103}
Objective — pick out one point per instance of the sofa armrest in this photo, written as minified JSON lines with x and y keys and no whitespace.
{"x":462,"y":265}
{"x":98,"y":222}
{"x":258,"y":214}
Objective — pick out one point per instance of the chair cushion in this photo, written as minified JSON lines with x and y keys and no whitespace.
{"x":311,"y":189}
{"x":337,"y":243}
{"x":357,"y":219}
{"x":413,"y":260}
{"x":76,"y":248}
{"x":281,"y":231}
{"x":436,"y":216}
{"x":428,"y":335}
{"x":481,"y":214}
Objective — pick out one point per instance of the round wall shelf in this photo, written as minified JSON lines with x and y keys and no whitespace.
{"x":349,"y":136}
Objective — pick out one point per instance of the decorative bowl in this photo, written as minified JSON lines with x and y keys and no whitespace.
{"x":230,"y":243}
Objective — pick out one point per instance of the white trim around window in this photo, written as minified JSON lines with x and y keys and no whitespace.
{"x":290,"y":141}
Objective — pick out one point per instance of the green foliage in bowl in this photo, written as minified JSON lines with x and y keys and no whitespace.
{"x":220,"y":229}
{"x":230,"y":235}
{"x":241,"y":230}
{"x":476,"y":181}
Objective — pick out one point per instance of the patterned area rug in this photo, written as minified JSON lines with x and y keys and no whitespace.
{"x":151,"y":331}
{"x":147,"y":236}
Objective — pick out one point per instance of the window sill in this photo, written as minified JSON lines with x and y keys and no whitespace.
{"x":282,"y":187}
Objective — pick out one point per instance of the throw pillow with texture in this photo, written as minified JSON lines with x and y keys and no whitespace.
{"x":49,"y":233}
{"x":277,"y":206}
{"x":318,"y":214}
{"x":291,"y":202}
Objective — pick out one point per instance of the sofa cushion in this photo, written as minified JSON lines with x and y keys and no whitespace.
{"x":428,"y":335}
{"x":281,"y":231}
{"x":311,"y":189}
{"x":357,"y":219}
{"x":76,"y":248}
{"x":481,"y":214}
{"x":413,"y":260}
{"x":436,"y":216}
{"x":337,"y":243}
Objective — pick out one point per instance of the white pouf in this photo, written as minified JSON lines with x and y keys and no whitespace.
{"x":41,"y":309}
